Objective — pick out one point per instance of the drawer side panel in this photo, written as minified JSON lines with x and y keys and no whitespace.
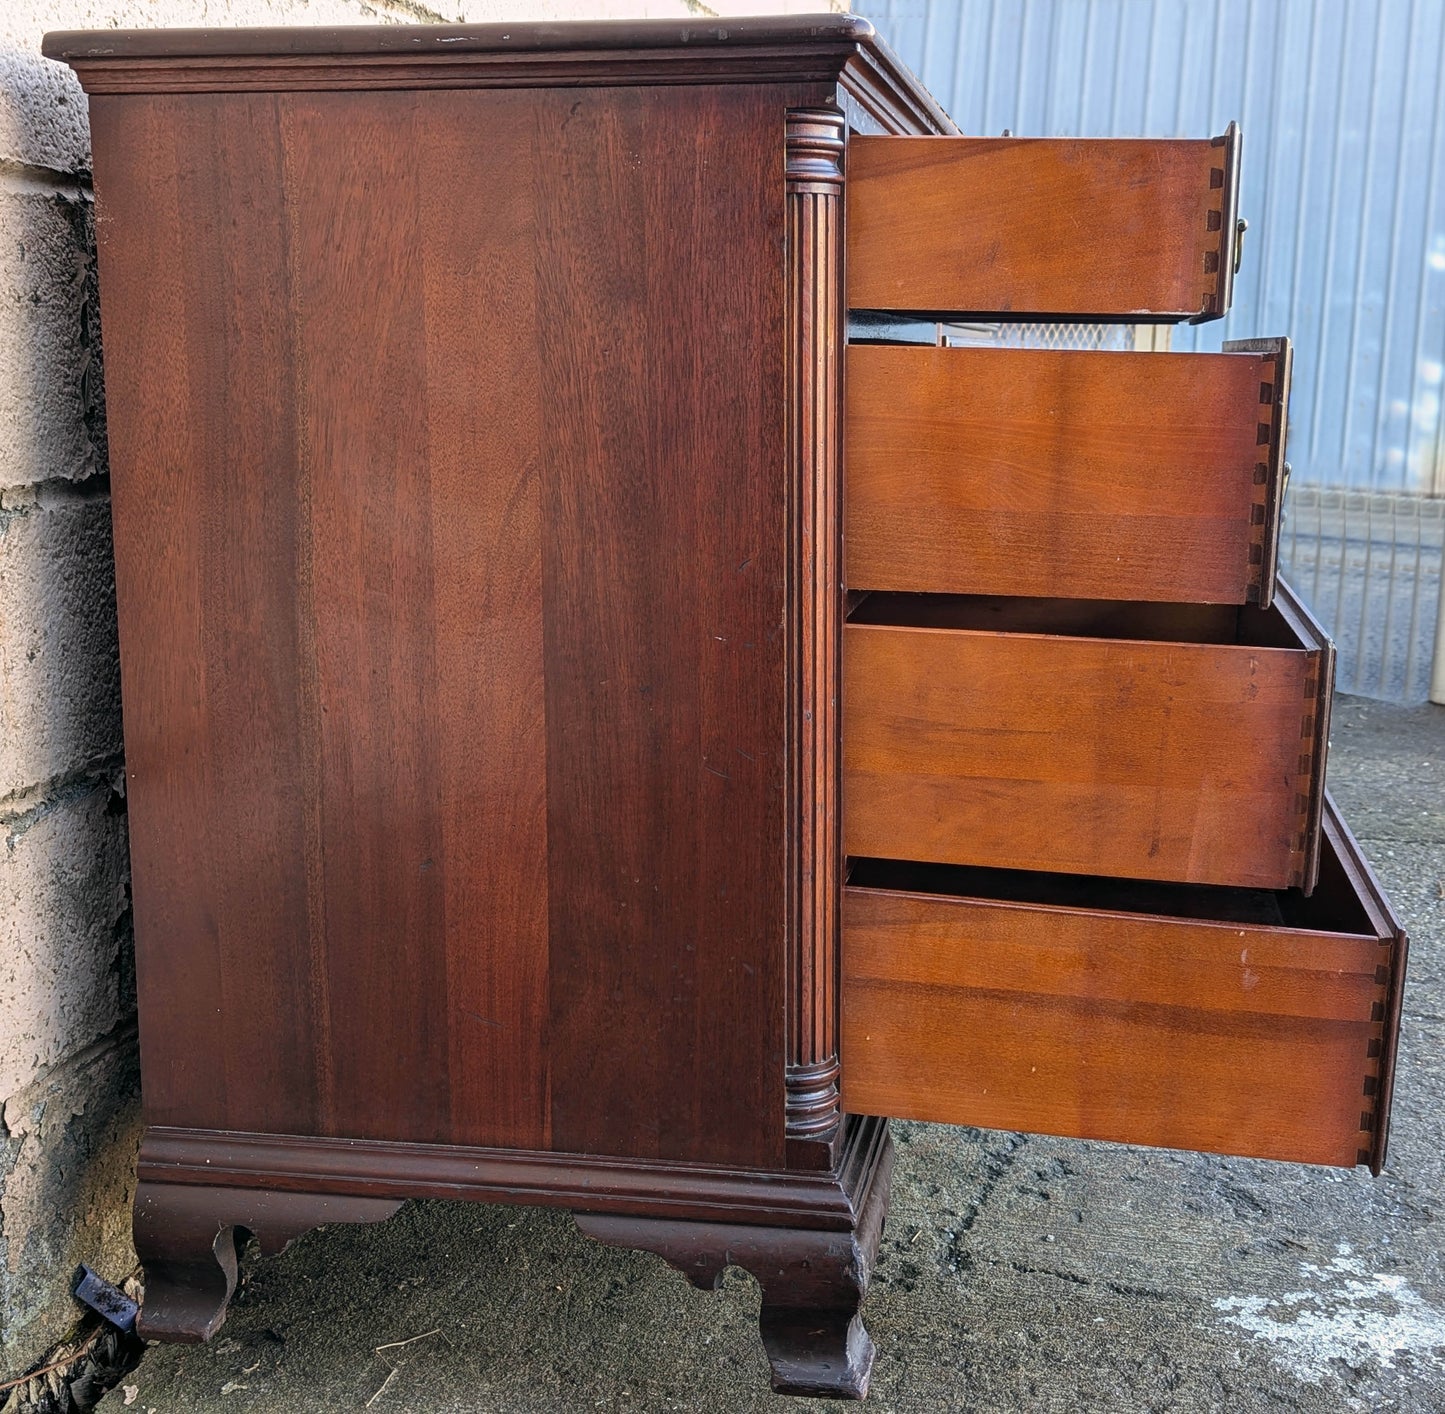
{"x":1076,"y":228}
{"x":1093,"y":756}
{"x":1236,"y":1040}
{"x":1049,"y":473}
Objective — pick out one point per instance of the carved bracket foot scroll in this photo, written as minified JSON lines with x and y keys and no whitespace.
{"x":185,"y":1236}
{"x":813,"y":1281}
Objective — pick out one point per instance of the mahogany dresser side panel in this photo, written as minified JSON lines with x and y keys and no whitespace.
{"x":661,"y":337}
{"x":458,"y":710}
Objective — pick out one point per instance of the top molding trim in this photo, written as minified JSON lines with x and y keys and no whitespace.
{"x":776,"y":49}
{"x":280,"y":42}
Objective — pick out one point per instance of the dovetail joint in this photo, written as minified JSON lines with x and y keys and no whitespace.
{"x":1220,"y":250}
{"x":1376,"y":1082}
{"x":1259,"y":510}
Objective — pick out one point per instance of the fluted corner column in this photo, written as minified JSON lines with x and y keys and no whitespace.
{"x":816,"y":322}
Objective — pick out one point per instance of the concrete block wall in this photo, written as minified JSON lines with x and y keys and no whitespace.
{"x":69,"y":1092}
{"x":68,"y":1111}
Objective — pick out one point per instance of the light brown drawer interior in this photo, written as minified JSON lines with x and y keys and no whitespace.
{"x":1149,"y":741}
{"x":1094,"y":229}
{"x":1061,"y":472}
{"x":1239,"y":1022}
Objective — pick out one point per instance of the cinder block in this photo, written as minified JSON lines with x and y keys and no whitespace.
{"x":52,"y":420}
{"x":67,"y":1179}
{"x":65,"y":954}
{"x":42,"y":115}
{"x":59,"y":669}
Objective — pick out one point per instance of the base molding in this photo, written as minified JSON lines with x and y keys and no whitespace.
{"x":810,"y":1237}
{"x":370,"y":1168}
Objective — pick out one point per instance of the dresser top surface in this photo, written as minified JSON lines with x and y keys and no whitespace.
{"x":316,"y":41}
{"x":777,"y":49}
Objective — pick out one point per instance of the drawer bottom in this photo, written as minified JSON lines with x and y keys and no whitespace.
{"x":1233,"y":1021}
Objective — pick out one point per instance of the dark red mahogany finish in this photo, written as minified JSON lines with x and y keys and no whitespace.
{"x":475,"y":839}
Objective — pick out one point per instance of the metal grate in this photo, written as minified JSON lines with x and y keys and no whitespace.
{"x":1039,"y":336}
{"x":1369,"y":564}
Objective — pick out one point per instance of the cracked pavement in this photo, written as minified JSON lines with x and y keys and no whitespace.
{"x":1017,"y":1272}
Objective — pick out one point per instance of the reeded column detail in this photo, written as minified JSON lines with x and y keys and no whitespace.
{"x":815,"y":334}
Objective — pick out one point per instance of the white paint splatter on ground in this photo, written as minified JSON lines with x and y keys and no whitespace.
{"x":1347,"y":1313}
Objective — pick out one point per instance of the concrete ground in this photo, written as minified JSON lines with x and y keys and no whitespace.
{"x":1018,"y":1272}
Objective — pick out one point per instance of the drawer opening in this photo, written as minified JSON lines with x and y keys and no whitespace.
{"x":1239,"y":625}
{"x":1334,"y":906}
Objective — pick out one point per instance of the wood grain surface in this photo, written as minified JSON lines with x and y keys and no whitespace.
{"x":824,"y":52}
{"x":451,"y":598}
{"x":1008,"y":738}
{"x":1050,"y":472}
{"x":1124,"y":229}
{"x":665,"y":561}
{"x":1271,"y":1040}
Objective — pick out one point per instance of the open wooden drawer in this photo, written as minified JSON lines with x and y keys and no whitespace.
{"x":1147,"y":741}
{"x":1232,"y":1021}
{"x":1072,"y":228}
{"x":1063,"y":472}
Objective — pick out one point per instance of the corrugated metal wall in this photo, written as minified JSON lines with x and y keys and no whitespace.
{"x":1342,"y":106}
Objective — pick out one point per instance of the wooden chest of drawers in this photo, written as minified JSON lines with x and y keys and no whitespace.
{"x":580,"y":752}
